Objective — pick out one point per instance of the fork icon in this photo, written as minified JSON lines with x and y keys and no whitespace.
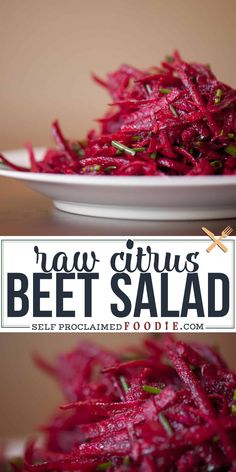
{"x":224,"y":234}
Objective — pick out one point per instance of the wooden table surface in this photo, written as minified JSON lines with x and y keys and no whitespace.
{"x":27,"y":213}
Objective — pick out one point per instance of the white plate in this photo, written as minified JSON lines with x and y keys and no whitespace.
{"x":139,"y":198}
{"x":13,"y":447}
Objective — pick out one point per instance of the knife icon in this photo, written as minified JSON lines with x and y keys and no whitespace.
{"x":212,"y":236}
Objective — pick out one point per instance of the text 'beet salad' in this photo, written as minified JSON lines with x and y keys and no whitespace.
{"x":167,"y":406}
{"x":177,"y":119}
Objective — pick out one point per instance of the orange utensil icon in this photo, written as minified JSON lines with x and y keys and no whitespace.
{"x":217,"y":241}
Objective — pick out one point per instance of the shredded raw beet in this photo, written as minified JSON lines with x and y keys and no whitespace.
{"x":168,"y":406}
{"x":176,"y":119}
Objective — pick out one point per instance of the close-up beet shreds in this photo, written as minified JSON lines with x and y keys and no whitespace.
{"x":176,"y":119}
{"x":167,"y":406}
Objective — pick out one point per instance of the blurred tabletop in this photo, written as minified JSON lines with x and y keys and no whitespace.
{"x":26,"y":213}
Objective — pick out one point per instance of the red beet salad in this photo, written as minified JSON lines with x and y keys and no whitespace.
{"x":176,"y":119}
{"x":167,"y":406}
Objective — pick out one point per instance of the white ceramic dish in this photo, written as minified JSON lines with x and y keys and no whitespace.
{"x":13,"y":447}
{"x":139,"y":198}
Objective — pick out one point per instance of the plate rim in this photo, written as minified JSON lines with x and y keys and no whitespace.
{"x":115,"y":180}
